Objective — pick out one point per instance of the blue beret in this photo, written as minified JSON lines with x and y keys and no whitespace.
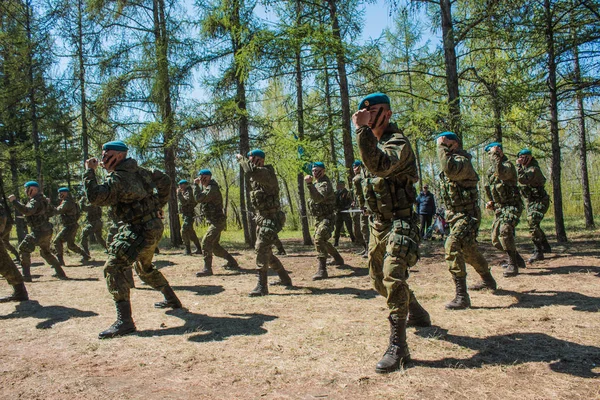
{"x":181,"y":182}
{"x":449,"y":135}
{"x":256,"y":153}
{"x":374,"y":99}
{"x":63,"y":189}
{"x":205,"y":172}
{"x":493,"y":144}
{"x":357,"y":163}
{"x":31,"y":183}
{"x":318,"y":164}
{"x":116,"y":145}
{"x":524,"y":152}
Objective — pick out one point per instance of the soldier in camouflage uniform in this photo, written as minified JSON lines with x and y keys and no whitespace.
{"x":264,"y":198}
{"x":208,"y":194}
{"x":359,"y":202}
{"x":531,"y":184}
{"x":8,"y":269}
{"x":343,"y":202}
{"x":394,"y":244}
{"x":69,"y":213}
{"x":115,"y":224}
{"x":458,"y":183}
{"x":37,"y":213}
{"x":5,"y":234}
{"x":93,"y":228}
{"x":505,"y":200}
{"x":322,"y":205}
{"x":137,"y":196}
{"x":187,"y":205}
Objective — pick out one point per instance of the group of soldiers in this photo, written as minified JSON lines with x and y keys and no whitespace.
{"x":384,"y":195}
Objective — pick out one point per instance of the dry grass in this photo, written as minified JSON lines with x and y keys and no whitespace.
{"x":537,"y":337}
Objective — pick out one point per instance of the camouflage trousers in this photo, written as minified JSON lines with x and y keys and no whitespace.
{"x":93,"y":229}
{"x":535,"y":214}
{"x":113,"y":229}
{"x":503,"y":227}
{"x":361,"y":228}
{"x":210,"y":241}
{"x":6,"y":241}
{"x":461,"y":244}
{"x":267,"y":228}
{"x":188,"y":234}
{"x":133,"y":244}
{"x":323,"y":229}
{"x":393,"y":249}
{"x":67,"y":234}
{"x":278,"y":245}
{"x":342,"y":219}
{"x":8,"y":269}
{"x":41,"y":239}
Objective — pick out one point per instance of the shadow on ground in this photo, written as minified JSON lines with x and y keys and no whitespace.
{"x":564,"y":270}
{"x":517,"y":348}
{"x":201,"y":290}
{"x":543,"y":298}
{"x":51,"y":315}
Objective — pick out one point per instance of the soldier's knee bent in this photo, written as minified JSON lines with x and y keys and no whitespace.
{"x":506,"y":230}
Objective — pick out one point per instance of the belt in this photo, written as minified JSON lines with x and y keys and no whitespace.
{"x":146,"y":218}
{"x":406,"y":212}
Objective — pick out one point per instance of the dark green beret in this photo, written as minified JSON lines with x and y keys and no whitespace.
{"x":524,"y":152}
{"x":63,"y":189}
{"x":491,"y":145}
{"x":374,"y":99}
{"x":205,"y":172}
{"x":449,"y":135}
{"x":318,"y":164}
{"x":31,"y":184}
{"x":257,"y":153}
{"x":183,"y":181}
{"x":116,"y":145}
{"x":357,"y":163}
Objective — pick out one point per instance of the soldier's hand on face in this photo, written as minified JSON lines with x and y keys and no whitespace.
{"x":12,"y":198}
{"x":489,"y":205}
{"x":197,"y":181}
{"x":361,"y":118}
{"x":239,"y":157}
{"x":161,"y":214}
{"x":91,"y":163}
{"x":308,"y":179}
{"x":494,"y":150}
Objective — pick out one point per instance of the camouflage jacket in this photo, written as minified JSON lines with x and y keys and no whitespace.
{"x":94,"y":213}
{"x":264,"y":188}
{"x":390,"y":176}
{"x":187,"y":201}
{"x":357,"y":182}
{"x":343,"y":200}
{"x":211,"y":201}
{"x":502,"y":183}
{"x":458,"y":180}
{"x":68,"y":211}
{"x":532,"y":181}
{"x":135,"y":193}
{"x":37,"y":212}
{"x":322,"y":198}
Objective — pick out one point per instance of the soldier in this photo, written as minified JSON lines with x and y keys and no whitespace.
{"x":505,"y":201}
{"x":343,"y":202}
{"x":264,"y":197}
{"x":8,"y":269}
{"x":93,"y":228}
{"x":5,"y":234}
{"x":359,"y":202}
{"x":460,"y":194}
{"x":36,"y":212}
{"x":115,"y":224}
{"x":187,"y":204}
{"x":394,"y":244}
{"x":531,"y":184}
{"x":69,"y":213}
{"x":208,"y":194}
{"x":137,"y":196}
{"x":322,"y":205}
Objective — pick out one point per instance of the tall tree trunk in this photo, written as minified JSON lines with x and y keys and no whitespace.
{"x":451,"y":66}
{"x":329,"y":109}
{"x":166,"y":111}
{"x":561,"y":234}
{"x":82,"y":82}
{"x":14,"y":174}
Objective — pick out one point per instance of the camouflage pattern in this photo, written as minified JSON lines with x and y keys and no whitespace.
{"x":343,"y":202}
{"x":458,"y":183}
{"x":36,"y":213}
{"x":359,"y":201}
{"x":187,"y":205}
{"x":5,"y":235}
{"x":503,"y":191}
{"x":93,"y":226}
{"x":211,"y":204}
{"x":531,"y":185}
{"x":113,"y":229}
{"x":322,"y":205}
{"x":69,"y":213}
{"x":136,"y":196}
{"x":264,"y":197}
{"x":389,"y":194}
{"x":8,"y":269}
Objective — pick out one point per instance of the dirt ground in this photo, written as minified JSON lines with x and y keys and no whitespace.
{"x":536,"y":337}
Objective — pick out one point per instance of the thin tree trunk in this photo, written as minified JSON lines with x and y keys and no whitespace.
{"x":14,"y":174}
{"x":82,"y":82}
{"x":451,"y":66}
{"x":330,"y":127}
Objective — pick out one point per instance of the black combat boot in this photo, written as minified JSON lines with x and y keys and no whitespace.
{"x":462,"y":299}
{"x":85,"y":259}
{"x":198,"y":246}
{"x":26,"y":273}
{"x":170,"y":301}
{"x":19,"y":294}
{"x":188,"y":250}
{"x":487,"y":282}
{"x":337,"y":260}
{"x":232,"y":264}
{"x":284,"y":278}
{"x":322,"y":270}
{"x":59,"y":272}
{"x":545,"y":245}
{"x":538,"y":253}
{"x":61,"y":259}
{"x":512,"y":269}
{"x":397,"y":353}
{"x":417,"y":315}
{"x":207,"y":271}
{"x":262,"y":288}
{"x":123,"y":325}
{"x":366,"y":253}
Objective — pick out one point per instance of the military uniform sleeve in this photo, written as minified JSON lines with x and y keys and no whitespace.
{"x":163,"y":186}
{"x":206,"y":196}
{"x":65,"y":207}
{"x":83,"y":205}
{"x":358,"y":190}
{"x":28,"y":209}
{"x":320,"y":191}
{"x":454,"y":166}
{"x":504,"y":169}
{"x":105,"y":194}
{"x":531,"y":176}
{"x":395,"y":155}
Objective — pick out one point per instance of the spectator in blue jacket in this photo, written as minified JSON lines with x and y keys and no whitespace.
{"x":425,"y":208}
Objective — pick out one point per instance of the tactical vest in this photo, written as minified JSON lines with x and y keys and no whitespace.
{"x":213,"y":211}
{"x":265,"y":200}
{"x":94,"y":213}
{"x":186,"y":207}
{"x":326,"y":208}
{"x":343,"y":201}
{"x":39,"y":221}
{"x":72,"y":217}
{"x":533,"y":193}
{"x":458,"y":197}
{"x":388,"y":200}
{"x":143,"y":210}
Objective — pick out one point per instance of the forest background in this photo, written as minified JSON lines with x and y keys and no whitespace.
{"x":190,"y":84}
